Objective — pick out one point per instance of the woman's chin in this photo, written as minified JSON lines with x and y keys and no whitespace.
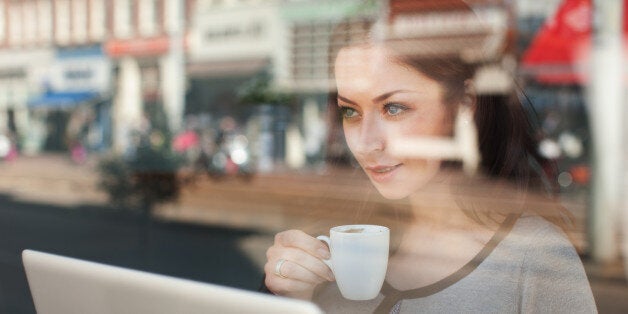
{"x":400,"y":189}
{"x":392,"y":193}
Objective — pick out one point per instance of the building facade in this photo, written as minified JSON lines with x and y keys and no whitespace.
{"x":87,"y":53}
{"x":144,"y":64}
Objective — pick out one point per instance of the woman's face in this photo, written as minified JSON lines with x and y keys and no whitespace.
{"x":380,"y":100}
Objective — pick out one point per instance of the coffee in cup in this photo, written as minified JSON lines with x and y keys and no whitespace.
{"x":354,"y":230}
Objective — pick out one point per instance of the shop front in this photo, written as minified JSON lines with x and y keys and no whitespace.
{"x":73,"y":102}
{"x":140,"y":70}
{"x":21,"y":75}
{"x":232,"y":53}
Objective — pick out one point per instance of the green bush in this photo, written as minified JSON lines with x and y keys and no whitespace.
{"x":144,"y":178}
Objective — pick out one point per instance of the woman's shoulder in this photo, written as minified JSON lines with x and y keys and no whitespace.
{"x":537,"y":242}
{"x":552,"y":277}
{"x":544,"y":252}
{"x":536,"y":229}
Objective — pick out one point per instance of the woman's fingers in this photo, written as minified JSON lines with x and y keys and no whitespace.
{"x":289,"y":287}
{"x":299,"y":265}
{"x":294,"y":264}
{"x":303,"y":241}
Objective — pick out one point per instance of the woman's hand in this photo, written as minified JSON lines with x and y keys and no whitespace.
{"x":302,"y":268}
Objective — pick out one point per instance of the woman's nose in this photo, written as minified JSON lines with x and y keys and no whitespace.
{"x":372,"y":138}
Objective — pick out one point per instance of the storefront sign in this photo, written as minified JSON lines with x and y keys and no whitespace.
{"x":21,"y":74}
{"x":234,"y":34}
{"x":80,"y":69}
{"x":138,"y":47}
{"x":13,"y":74}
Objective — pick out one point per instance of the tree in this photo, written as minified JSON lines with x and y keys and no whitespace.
{"x":142,"y":179}
{"x":258,"y":90}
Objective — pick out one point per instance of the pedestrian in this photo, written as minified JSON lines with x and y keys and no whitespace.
{"x":476,"y":243}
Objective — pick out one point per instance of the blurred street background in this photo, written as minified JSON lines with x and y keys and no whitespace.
{"x":211,"y":233}
{"x":178,"y":136}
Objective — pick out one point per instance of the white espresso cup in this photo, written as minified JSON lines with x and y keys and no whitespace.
{"x":359,"y":259}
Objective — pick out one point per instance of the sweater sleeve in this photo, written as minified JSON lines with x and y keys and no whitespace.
{"x":553,"y":278}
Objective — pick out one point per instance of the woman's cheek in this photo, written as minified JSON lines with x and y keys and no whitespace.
{"x":351,"y":139}
{"x":346,"y":131}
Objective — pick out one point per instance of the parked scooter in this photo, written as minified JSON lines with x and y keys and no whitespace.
{"x":8,"y":149}
{"x":232,"y":157}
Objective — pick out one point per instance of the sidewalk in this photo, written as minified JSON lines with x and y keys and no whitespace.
{"x":268,"y":203}
{"x":52,"y":179}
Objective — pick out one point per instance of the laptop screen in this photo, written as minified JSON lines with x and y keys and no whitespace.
{"x":63,"y":285}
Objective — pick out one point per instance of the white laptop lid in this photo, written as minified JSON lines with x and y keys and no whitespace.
{"x":62,"y":285}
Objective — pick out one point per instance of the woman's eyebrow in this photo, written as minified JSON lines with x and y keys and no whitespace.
{"x":379,"y":98}
{"x":384,"y":96}
{"x":347,"y":100}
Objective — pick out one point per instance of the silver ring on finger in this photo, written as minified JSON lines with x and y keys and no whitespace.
{"x":278,"y":268}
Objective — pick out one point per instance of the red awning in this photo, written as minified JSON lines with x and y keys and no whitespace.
{"x":560,"y":51}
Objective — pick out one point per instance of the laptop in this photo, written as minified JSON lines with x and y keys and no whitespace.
{"x":63,"y":285}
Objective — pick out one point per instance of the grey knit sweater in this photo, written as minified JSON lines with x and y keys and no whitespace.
{"x":530,"y":268}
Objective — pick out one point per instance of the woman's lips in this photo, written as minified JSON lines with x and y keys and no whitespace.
{"x":382,"y":173}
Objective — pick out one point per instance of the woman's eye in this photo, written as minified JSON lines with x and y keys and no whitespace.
{"x":348,"y":112}
{"x":394,"y":109}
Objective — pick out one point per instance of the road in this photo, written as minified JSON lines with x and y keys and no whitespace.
{"x":209,"y":254}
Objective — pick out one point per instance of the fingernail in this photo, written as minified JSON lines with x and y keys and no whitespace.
{"x":324,"y":253}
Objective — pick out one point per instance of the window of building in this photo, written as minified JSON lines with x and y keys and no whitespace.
{"x":79,"y":20}
{"x":311,"y":44}
{"x":62,"y":21}
{"x":171,"y":14}
{"x":97,"y":20}
{"x":29,"y":22}
{"x":3,"y":30}
{"x":16,"y":29}
{"x":147,"y":14}
{"x":123,"y":18}
{"x":44,"y":21}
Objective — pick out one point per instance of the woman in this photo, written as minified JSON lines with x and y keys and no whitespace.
{"x":475,"y":244}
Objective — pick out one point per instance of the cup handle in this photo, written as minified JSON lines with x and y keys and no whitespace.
{"x":328,"y":241}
